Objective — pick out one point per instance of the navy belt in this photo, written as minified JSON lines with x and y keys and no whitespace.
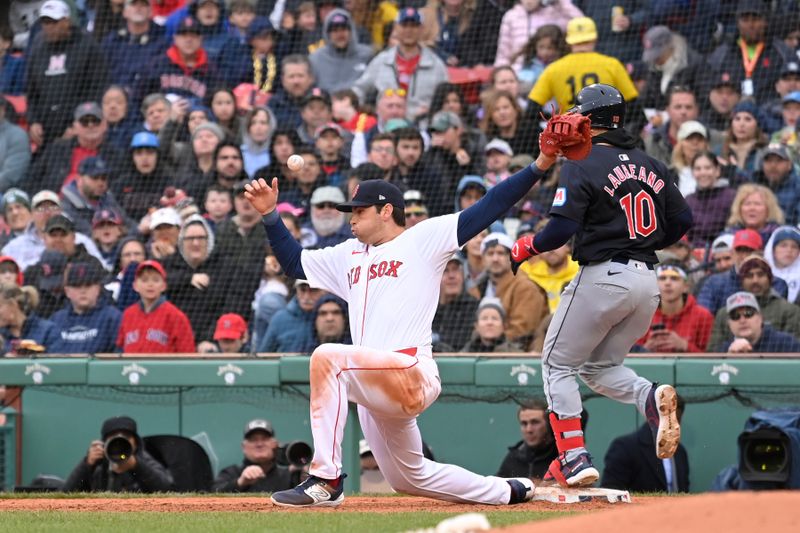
{"x":624,"y":261}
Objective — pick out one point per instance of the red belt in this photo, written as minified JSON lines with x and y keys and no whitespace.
{"x":408,"y":351}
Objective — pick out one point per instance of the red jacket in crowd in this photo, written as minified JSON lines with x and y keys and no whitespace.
{"x":165,"y":329}
{"x":693,"y":323}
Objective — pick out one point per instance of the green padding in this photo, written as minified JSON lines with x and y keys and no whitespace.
{"x":509,"y":372}
{"x":191,"y":372}
{"x":457,"y":370}
{"x":42,"y":371}
{"x":294,"y":369}
{"x":738,"y":372}
{"x":657,"y":370}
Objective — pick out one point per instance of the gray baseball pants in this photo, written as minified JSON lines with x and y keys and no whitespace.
{"x":603,"y":311}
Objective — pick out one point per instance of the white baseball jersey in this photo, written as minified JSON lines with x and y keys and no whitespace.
{"x":392,"y":289}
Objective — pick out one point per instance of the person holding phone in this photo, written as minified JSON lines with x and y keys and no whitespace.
{"x":679,"y":324}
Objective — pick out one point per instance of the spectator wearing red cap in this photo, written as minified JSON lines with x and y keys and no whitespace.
{"x":756,"y":278}
{"x":718,"y":287}
{"x":755,"y":207}
{"x":231,"y":334}
{"x":107,"y":230}
{"x":154,"y":325}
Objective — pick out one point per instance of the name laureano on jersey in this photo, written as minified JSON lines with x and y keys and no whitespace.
{"x":630,"y":171}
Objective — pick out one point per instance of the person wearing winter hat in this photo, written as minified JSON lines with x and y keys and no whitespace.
{"x":783,"y":255}
{"x":489,"y":335}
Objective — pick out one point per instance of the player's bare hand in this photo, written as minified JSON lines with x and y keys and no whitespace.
{"x":740,"y":346}
{"x":96,"y":452}
{"x":262,"y":196}
{"x":250,"y":475}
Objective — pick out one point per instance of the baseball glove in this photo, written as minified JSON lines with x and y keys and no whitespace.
{"x":571,"y":134}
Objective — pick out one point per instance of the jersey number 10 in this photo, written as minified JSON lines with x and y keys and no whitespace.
{"x":637,"y":209}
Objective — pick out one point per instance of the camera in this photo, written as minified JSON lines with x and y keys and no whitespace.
{"x":764,"y":456}
{"x":117,"y":449}
{"x":297,"y":453}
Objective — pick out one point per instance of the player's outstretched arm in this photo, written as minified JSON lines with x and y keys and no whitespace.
{"x":264,"y":199}
{"x":500,"y":199}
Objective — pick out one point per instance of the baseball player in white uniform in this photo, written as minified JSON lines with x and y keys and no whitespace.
{"x":390,"y":278}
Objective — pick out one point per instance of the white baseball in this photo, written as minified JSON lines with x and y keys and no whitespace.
{"x":295,"y":162}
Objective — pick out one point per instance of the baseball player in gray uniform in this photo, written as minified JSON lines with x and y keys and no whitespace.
{"x":621,"y":205}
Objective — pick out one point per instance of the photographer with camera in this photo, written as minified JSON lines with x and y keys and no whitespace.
{"x":118,"y":463}
{"x":260,"y":471}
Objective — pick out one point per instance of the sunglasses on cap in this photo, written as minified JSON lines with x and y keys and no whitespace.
{"x":402,"y":93}
{"x":747,"y":312}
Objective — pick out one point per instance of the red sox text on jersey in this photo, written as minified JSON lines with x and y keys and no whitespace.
{"x":377,"y":270}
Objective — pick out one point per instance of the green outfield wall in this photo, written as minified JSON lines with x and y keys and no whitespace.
{"x":64,"y":401}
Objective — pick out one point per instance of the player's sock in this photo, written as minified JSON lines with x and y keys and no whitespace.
{"x":574,"y":453}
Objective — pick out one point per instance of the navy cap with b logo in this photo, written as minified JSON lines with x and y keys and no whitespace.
{"x":374,"y":192}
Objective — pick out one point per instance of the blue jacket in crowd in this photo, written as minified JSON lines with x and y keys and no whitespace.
{"x":290,"y":330}
{"x":771,"y":341}
{"x":129,"y":56}
{"x":718,"y":287}
{"x":93,"y":332}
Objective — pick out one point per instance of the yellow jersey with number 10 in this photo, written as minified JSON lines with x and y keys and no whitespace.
{"x":563,"y":79}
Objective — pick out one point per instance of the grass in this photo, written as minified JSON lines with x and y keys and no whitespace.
{"x":227,"y":522}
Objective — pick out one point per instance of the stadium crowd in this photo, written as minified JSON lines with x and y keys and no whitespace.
{"x":128,"y":129}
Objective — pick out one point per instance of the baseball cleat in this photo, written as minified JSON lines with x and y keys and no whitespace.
{"x":580,"y":472}
{"x":313,"y":492}
{"x":661,"y":408}
{"x":521,"y":490}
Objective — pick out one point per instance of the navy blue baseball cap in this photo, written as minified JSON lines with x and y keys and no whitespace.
{"x":144,"y":139}
{"x":93,"y":166}
{"x":188,"y":24}
{"x":374,"y":192}
{"x":259,"y":27}
{"x":409,"y":14}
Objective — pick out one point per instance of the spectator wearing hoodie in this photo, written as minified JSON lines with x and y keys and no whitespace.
{"x":197,"y":278}
{"x":330,"y":320}
{"x":89,"y":194}
{"x":777,"y":173}
{"x":259,"y":123}
{"x":64,"y":68}
{"x":522,"y":20}
{"x":139,"y":189}
{"x":15,"y":152}
{"x":185,"y":69}
{"x":783,"y":256}
{"x":87,"y":323}
{"x":20,"y":328}
{"x":292,"y":329}
{"x":342,"y":60}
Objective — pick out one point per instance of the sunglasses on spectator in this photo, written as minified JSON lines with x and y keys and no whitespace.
{"x":325,"y":205}
{"x":89,"y":121}
{"x":395,"y":92}
{"x":747,"y":312}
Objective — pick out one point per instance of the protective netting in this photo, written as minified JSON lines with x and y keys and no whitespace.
{"x":140,"y":121}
